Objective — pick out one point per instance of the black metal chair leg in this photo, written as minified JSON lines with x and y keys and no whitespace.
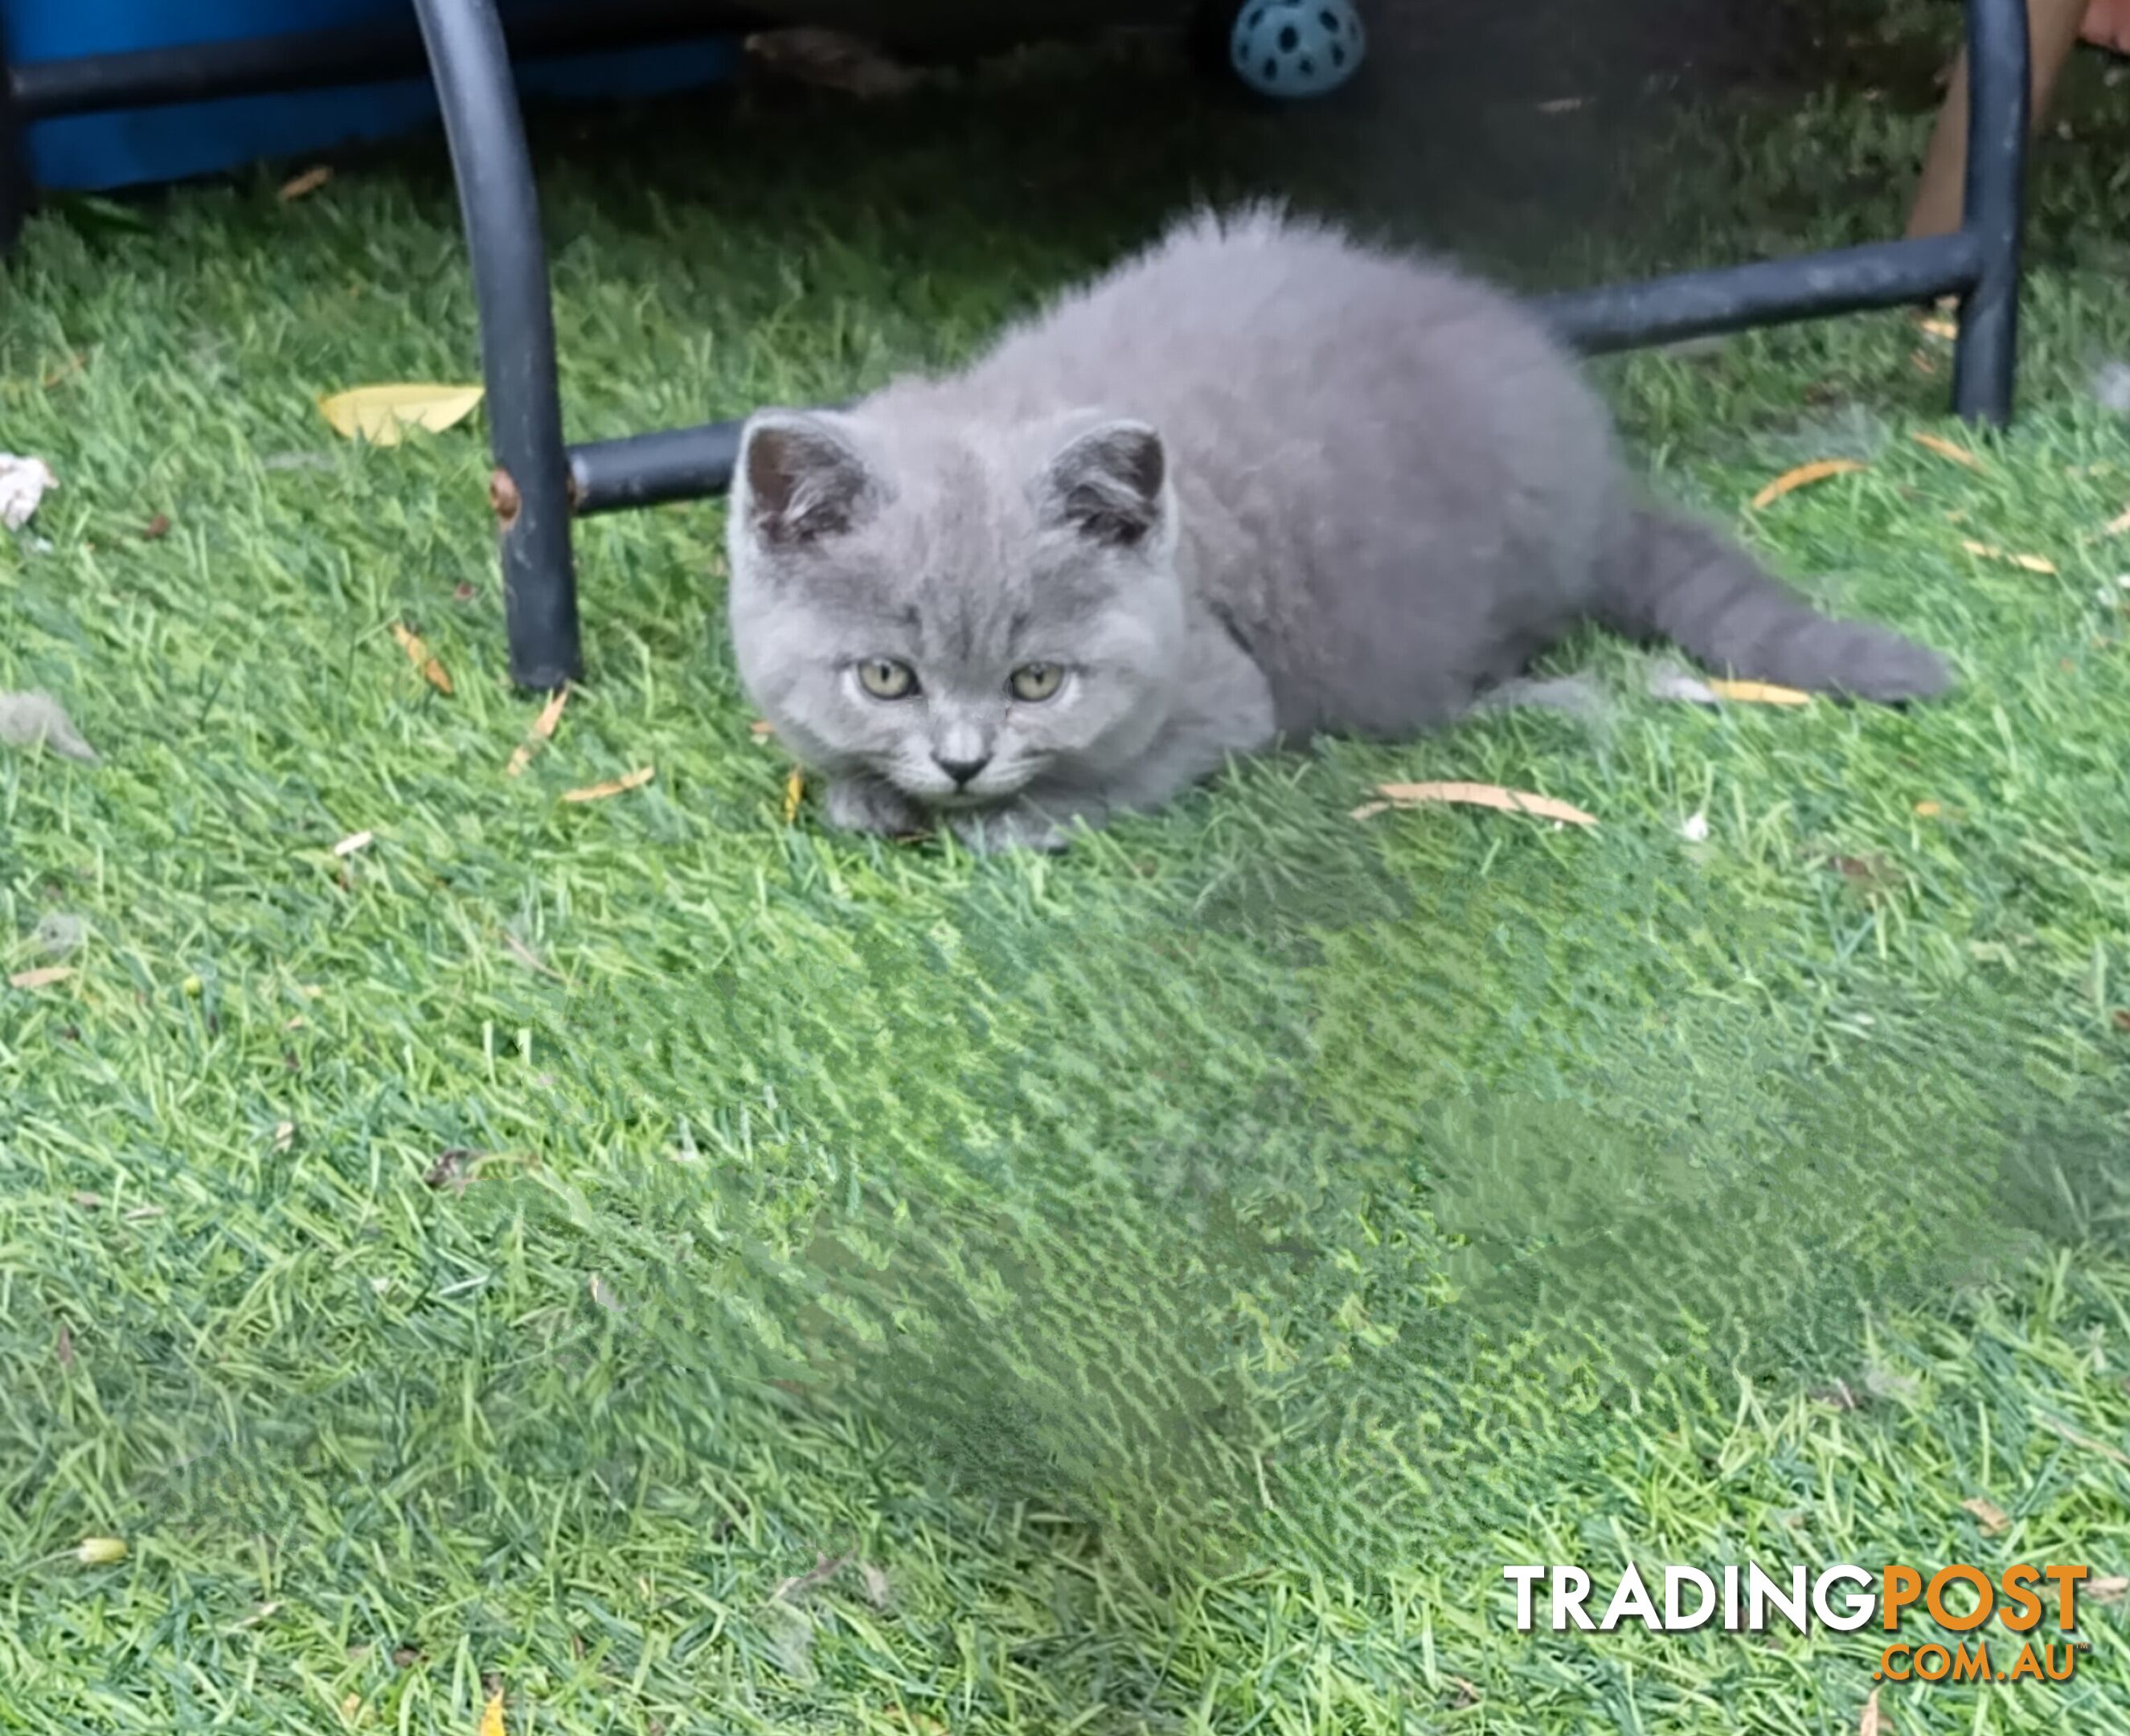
{"x":17,"y":190}
{"x":530,"y":489}
{"x":1999,"y":100}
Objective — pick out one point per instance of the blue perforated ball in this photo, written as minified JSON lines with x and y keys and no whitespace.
{"x":1297,"y":47}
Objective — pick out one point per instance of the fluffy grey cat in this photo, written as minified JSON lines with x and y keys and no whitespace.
{"x":1260,"y":481}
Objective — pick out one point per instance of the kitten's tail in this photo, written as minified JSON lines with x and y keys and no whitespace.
{"x":1674,"y":579}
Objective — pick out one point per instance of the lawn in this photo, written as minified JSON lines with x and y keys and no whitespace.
{"x":681,"y":1270}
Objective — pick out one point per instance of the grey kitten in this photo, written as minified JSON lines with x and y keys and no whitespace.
{"x":1259,"y":481}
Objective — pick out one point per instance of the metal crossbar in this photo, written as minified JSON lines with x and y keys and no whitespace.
{"x":540,"y":483}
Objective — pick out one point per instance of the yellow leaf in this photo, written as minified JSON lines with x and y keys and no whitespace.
{"x":309,"y":181}
{"x":1928,"y":810}
{"x":1947,"y":449}
{"x":382,"y":414}
{"x":1873,"y":1721}
{"x":543,"y":728}
{"x":1990,"y":552}
{"x":612,"y":787}
{"x":795,"y":793}
{"x":1943,"y":330}
{"x":1990,"y":1518}
{"x":1758,"y":692}
{"x":491,"y":1716}
{"x":1818,"y":470}
{"x":100,"y":1552}
{"x":43,"y":977}
{"x":1475,"y":795}
{"x":418,"y":654}
{"x":351,"y":1707}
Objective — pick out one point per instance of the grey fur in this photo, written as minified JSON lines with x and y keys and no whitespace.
{"x":1259,"y":481}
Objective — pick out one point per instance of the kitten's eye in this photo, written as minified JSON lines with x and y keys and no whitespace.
{"x":886,"y":679}
{"x":1035,"y":681}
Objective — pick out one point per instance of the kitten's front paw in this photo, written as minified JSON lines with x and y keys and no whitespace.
{"x":1045,"y":823}
{"x":866,"y":804}
{"x":1008,"y":828}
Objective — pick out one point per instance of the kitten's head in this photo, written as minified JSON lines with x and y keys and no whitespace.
{"x":953,"y":611}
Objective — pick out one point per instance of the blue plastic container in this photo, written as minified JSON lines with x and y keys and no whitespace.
{"x":127,"y":149}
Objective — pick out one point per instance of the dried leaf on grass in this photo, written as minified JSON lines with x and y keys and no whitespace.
{"x":1990,"y":552}
{"x":1818,"y":470}
{"x":832,"y":59}
{"x":795,"y":793}
{"x":1758,"y":692}
{"x":1873,"y":1722}
{"x":1943,"y":330}
{"x":308,"y":182}
{"x":100,"y":1552}
{"x":491,"y":1716}
{"x":29,"y":719}
{"x":381,"y":415}
{"x":528,"y":956}
{"x":1989,"y":1517}
{"x":1474,"y":795}
{"x":353,"y":842}
{"x":1946,"y":449}
{"x":2118,"y":525}
{"x":2113,"y":1453}
{"x":2109,"y":1591}
{"x":825,"y":1568}
{"x":542,"y":731}
{"x":419,"y":654}
{"x":43,"y":977}
{"x":612,"y":787}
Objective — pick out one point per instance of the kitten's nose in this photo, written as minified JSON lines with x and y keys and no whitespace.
{"x":961,"y":770}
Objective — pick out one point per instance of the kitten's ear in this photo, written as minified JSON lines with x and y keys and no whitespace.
{"x":1108,"y":484}
{"x":798,"y":479}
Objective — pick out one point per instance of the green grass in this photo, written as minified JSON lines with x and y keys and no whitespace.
{"x":1283,"y":1222}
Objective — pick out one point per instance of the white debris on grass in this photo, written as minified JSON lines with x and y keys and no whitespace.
{"x":29,"y":720}
{"x":23,"y":482}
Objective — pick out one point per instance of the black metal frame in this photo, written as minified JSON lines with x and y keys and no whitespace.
{"x":540,"y":482}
